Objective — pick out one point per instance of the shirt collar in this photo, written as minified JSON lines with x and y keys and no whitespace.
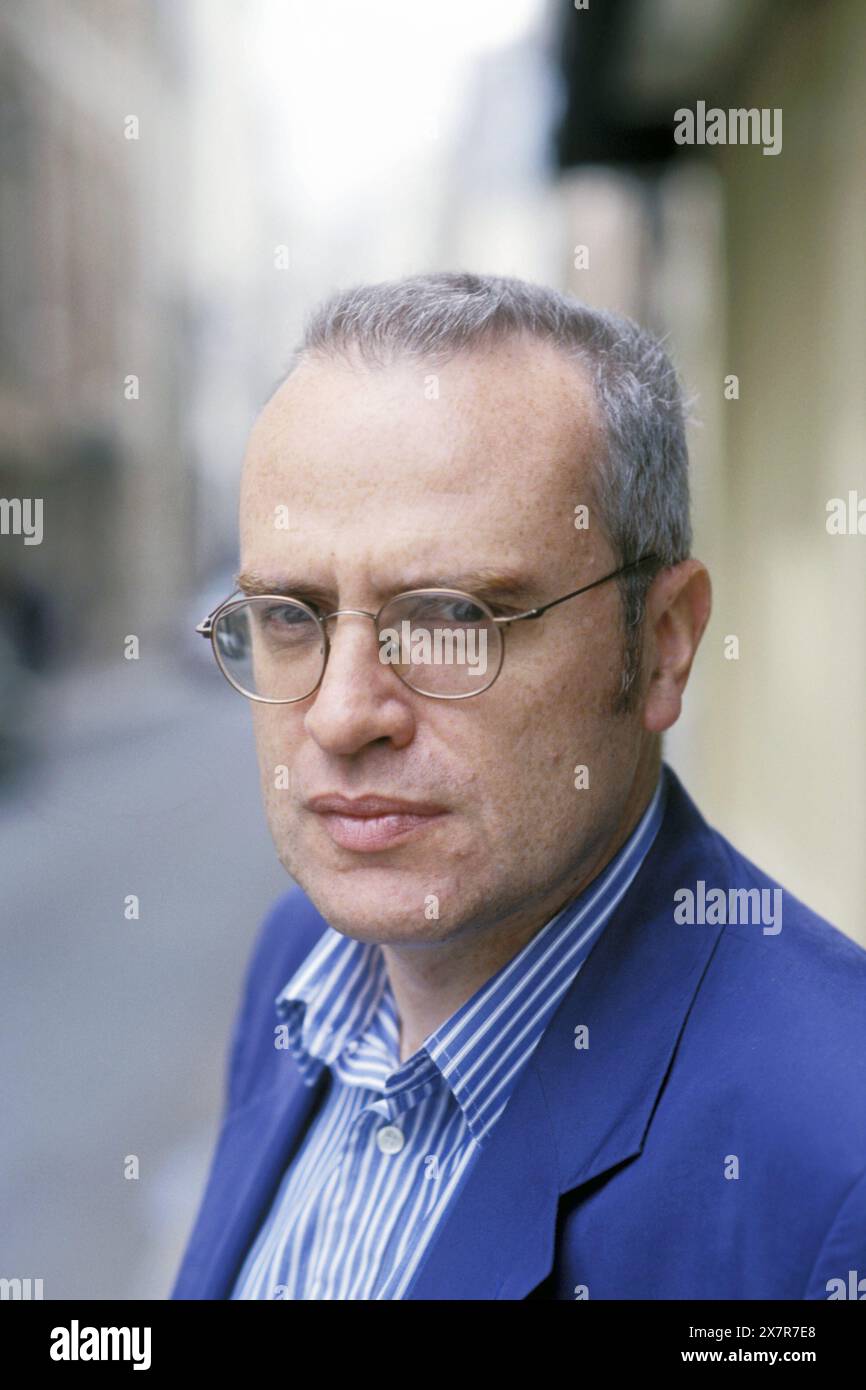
{"x":332,"y":999}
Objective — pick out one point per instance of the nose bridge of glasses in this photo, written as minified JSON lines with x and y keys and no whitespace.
{"x":341,"y":612}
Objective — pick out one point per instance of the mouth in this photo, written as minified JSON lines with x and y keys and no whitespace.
{"x":367,"y":824}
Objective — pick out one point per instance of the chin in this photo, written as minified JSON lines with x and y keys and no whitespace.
{"x":390,"y":906}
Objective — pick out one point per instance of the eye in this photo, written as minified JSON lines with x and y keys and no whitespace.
{"x":463,"y":610}
{"x":286,"y":622}
{"x":285,"y":615}
{"x":317,"y":608}
{"x":439,"y":608}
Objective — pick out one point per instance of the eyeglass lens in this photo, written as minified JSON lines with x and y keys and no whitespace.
{"x":442,"y":644}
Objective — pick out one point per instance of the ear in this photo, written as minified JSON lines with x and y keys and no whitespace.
{"x":677,"y":611}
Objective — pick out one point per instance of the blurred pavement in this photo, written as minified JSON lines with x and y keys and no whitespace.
{"x":114,"y":1032}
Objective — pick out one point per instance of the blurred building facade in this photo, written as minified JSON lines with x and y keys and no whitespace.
{"x":94,"y":311}
{"x":131,"y":280}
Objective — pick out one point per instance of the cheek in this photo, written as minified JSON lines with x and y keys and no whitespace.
{"x":584,"y":670}
{"x":555,"y":700}
{"x":524,"y":757}
{"x":552,"y":720}
{"x":275,"y":747}
{"x":263,"y":731}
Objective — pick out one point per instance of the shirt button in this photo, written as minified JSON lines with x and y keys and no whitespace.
{"x":390,"y":1139}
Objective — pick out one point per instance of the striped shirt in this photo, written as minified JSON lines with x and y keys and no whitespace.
{"x":392,"y":1142}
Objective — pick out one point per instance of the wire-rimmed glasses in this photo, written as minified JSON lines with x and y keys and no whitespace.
{"x":442,"y":643}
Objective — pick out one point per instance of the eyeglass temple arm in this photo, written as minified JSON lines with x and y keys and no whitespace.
{"x":204,"y":627}
{"x":537,"y":612}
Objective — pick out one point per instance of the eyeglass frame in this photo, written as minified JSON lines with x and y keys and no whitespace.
{"x":207,"y":627}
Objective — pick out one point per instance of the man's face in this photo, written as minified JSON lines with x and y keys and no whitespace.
{"x":391,"y":486}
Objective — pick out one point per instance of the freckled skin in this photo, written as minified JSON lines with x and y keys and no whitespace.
{"x":380,"y":483}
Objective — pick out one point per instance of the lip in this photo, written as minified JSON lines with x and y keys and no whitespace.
{"x":370,"y":823}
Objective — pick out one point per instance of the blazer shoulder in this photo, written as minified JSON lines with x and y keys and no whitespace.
{"x":783,"y":1003}
{"x":697,"y":857}
{"x":809,"y":935}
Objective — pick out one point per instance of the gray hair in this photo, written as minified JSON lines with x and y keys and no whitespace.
{"x":642,"y":489}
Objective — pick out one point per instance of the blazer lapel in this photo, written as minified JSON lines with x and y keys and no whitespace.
{"x":577,"y":1113}
{"x":254,"y":1145}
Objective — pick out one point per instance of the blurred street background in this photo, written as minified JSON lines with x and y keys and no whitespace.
{"x":180,"y":182}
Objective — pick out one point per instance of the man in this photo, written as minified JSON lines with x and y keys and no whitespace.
{"x":528,"y":1026}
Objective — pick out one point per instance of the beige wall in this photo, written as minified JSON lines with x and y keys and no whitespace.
{"x":774,"y":745}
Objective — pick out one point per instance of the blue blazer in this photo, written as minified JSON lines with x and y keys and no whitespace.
{"x":710,"y":1142}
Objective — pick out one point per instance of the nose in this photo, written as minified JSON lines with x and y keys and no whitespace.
{"x":360,"y":700}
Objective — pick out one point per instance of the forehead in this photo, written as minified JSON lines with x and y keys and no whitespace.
{"x":500,"y":443}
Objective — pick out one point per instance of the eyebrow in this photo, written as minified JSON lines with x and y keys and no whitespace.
{"x":486,"y":583}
